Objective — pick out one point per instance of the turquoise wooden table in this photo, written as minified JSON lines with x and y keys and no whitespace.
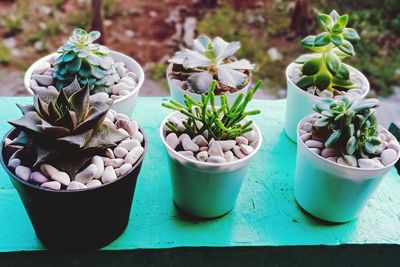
{"x":266,"y":228}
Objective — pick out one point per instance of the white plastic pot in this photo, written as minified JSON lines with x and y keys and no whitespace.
{"x":123,"y":105}
{"x":331,"y":191}
{"x":299,"y":103}
{"x":206,"y":189}
{"x":178,"y":93}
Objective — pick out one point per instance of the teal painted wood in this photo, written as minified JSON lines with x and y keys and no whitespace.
{"x":265,"y":214}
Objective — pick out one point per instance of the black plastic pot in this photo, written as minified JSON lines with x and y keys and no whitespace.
{"x":77,"y":220}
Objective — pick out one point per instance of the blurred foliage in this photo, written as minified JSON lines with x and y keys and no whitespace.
{"x":5,"y":54}
{"x":80,"y":19}
{"x":158,"y":73}
{"x":13,"y":23}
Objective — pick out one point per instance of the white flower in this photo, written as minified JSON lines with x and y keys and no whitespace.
{"x":207,"y":60}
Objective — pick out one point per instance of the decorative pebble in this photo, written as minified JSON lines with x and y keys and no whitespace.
{"x":183,"y":136}
{"x":366,"y":163}
{"x":200,"y":140}
{"x":226,"y":144}
{"x":315,"y":150}
{"x":307,"y":127}
{"x":238,"y":152}
{"x":189,"y":145}
{"x":214,"y":149}
{"x":129,"y":126}
{"x":108,"y":175}
{"x":38,"y":177}
{"x":43,"y":79}
{"x":134,"y":155}
{"x":128,"y":81}
{"x":393,"y":145}
{"x":378,"y":162}
{"x":115,"y":163}
{"x":388,"y":156}
{"x":23,"y":172}
{"x":121,"y":116}
{"x":93,"y":183}
{"x":75,"y":185}
{"x":98,"y":161}
{"x":124,"y":169}
{"x":138,"y":136}
{"x":124,"y":92}
{"x":216,"y":159}
{"x":228,"y":155}
{"x":329,"y":152}
{"x":254,"y":144}
{"x":51,"y":185}
{"x":42,"y":68}
{"x":202,"y":156}
{"x":250,"y":136}
{"x":241,"y":140}
{"x":172,"y":140}
{"x":13,"y":163}
{"x":109,"y":153}
{"x":314,"y":144}
{"x":129,"y":144}
{"x":48,"y":170}
{"x":87,"y":174}
{"x":120,"y":152}
{"x":123,"y":131}
{"x":61,"y":177}
{"x":204,"y":148}
{"x":246,"y":149}
{"x":351,"y":160}
{"x":102,"y":96}
{"x":305,"y":137}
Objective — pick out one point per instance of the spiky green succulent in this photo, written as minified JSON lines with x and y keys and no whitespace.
{"x":349,"y":126}
{"x":80,"y":58}
{"x":205,"y":118}
{"x":64,"y":128}
{"x":325,"y":69}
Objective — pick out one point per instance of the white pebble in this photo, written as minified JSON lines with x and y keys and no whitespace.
{"x":128,"y":81}
{"x":138,"y":136}
{"x":121,"y":116}
{"x":129,"y":126}
{"x":329,"y":152}
{"x":238,"y":152}
{"x":305,"y":137}
{"x":61,"y":177}
{"x":48,"y":170}
{"x":226,"y":145}
{"x":102,"y":96}
{"x":38,"y":177}
{"x":51,"y":185}
{"x":172,"y":140}
{"x":246,"y":149}
{"x":216,"y":159}
{"x":314,"y":144}
{"x":87,"y":174}
{"x":200,"y":140}
{"x":241,"y":140}
{"x":393,"y":145}
{"x":183,"y":136}
{"x":109,"y":153}
{"x":13,"y":163}
{"x":307,"y":127}
{"x":43,"y":79}
{"x":250,"y":136}
{"x":388,"y":156}
{"x":42,"y":68}
{"x":115,"y":163}
{"x":23,"y":172}
{"x":124,"y":169}
{"x":116,"y":89}
{"x":98,"y":161}
{"x":120,"y":152}
{"x":129,"y":144}
{"x":108,"y":175}
{"x":93,"y":183}
{"x":366,"y":163}
{"x":378,"y":162}
{"x":202,"y":156}
{"x":74,"y":185}
{"x":214,"y":149}
{"x":189,"y":145}
{"x":228,"y":155}
{"x":134,"y":155}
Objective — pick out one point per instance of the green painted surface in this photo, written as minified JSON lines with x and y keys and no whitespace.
{"x":265,"y":215}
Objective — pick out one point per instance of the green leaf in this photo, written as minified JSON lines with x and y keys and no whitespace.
{"x":337,"y":39}
{"x":93,"y":36}
{"x":74,"y":65}
{"x":305,"y":82}
{"x":350,"y":34}
{"x":68,"y":57}
{"x":25,"y":107}
{"x":324,"y":20}
{"x":343,"y":74}
{"x":28,"y":122}
{"x":369,"y":148}
{"x":340,"y":24}
{"x":95,"y":116}
{"x":80,"y":103}
{"x":322,"y":39}
{"x":333,"y":63}
{"x":79,"y":32}
{"x":106,"y":135}
{"x":333,"y":138}
{"x":351,"y":145}
{"x":334,"y":15}
{"x":72,"y":88}
{"x":322,"y":122}
{"x":347,"y":48}
{"x":308,"y":42}
{"x":78,"y":140}
{"x":322,"y":80}
{"x":312,"y":66}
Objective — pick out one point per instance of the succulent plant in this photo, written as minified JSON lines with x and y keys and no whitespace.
{"x":350,"y":126}
{"x":81,"y":59}
{"x":324,"y":69}
{"x":213,"y":59}
{"x":64,"y":128}
{"x":205,"y":118}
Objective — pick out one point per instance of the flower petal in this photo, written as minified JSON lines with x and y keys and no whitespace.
{"x":231,"y":77}
{"x":201,"y":43}
{"x":242,"y":64}
{"x":200,"y":82}
{"x":190,"y":59}
{"x":224,"y":49}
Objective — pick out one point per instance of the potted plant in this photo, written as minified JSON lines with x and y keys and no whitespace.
{"x":74,"y":163}
{"x":320,"y":75}
{"x":342,"y":156}
{"x":191,"y":71}
{"x":108,"y":74}
{"x":209,"y":150}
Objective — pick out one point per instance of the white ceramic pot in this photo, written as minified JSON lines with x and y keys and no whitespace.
{"x":206,"y":189}
{"x":299,"y":103}
{"x":178,"y":93}
{"x":123,"y":105}
{"x":331,"y":191}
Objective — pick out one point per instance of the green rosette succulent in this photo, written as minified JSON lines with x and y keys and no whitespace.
{"x":64,"y":128}
{"x":324,"y":69}
{"x":80,"y":58}
{"x":349,"y":126}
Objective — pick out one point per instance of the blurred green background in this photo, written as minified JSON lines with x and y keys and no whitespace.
{"x":151,"y":31}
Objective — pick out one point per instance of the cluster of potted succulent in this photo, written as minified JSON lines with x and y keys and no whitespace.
{"x":76,"y":153}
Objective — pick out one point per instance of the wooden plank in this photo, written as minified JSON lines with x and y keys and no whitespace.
{"x":265,"y":215}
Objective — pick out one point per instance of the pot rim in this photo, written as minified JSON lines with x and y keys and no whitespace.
{"x":36,"y":187}
{"x":334,"y":164}
{"x":306,"y":94}
{"x":209,"y":164}
{"x":28,"y":74}
{"x":169,"y":69}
